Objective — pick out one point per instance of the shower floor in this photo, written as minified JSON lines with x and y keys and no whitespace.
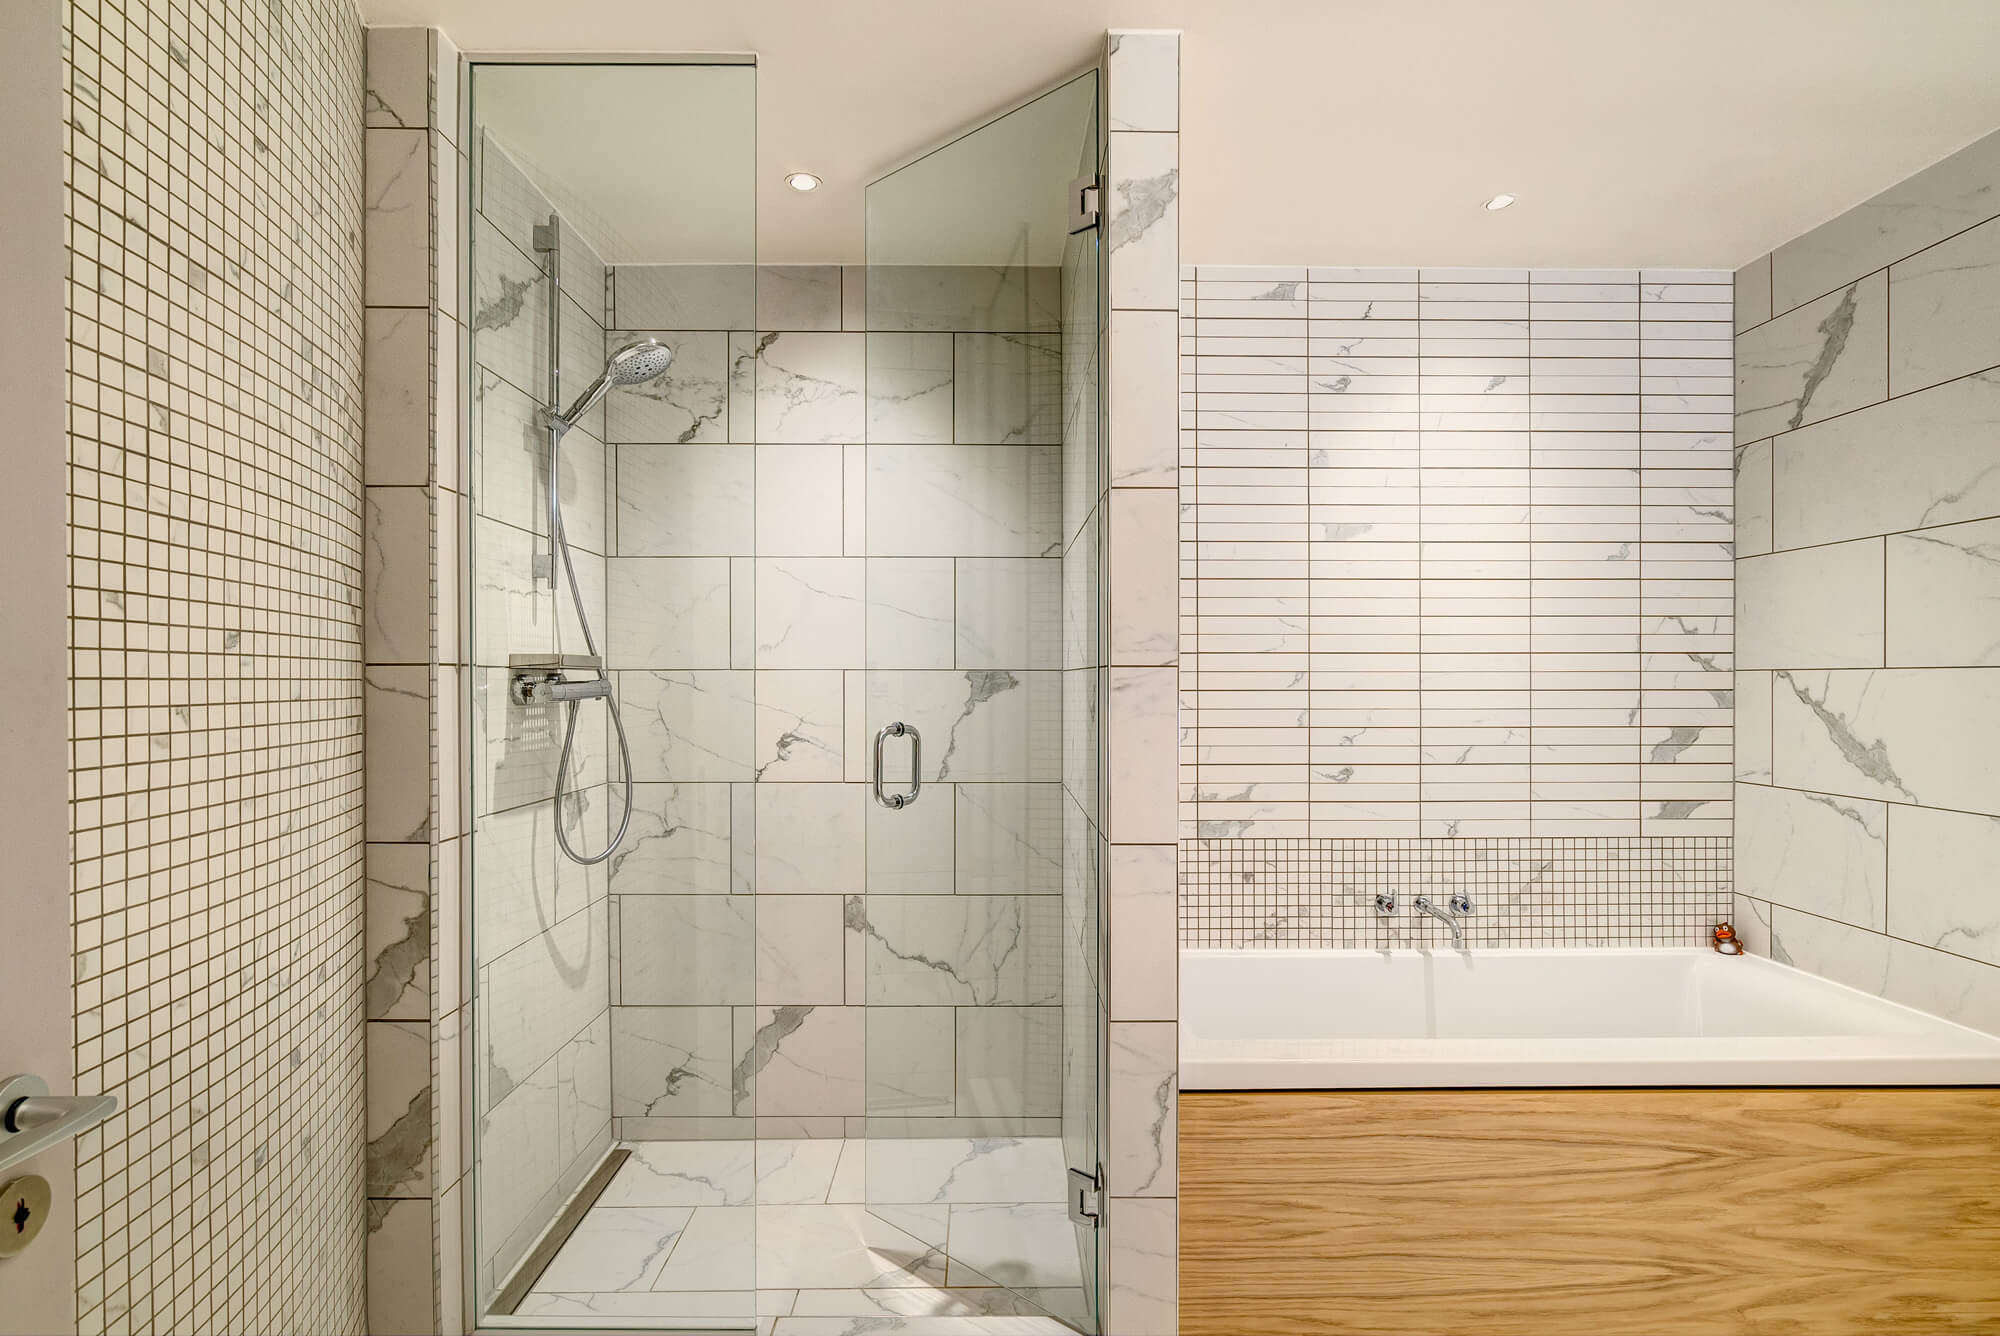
{"x":936,"y":1237}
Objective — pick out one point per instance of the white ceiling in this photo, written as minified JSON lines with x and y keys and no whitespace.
{"x":1661,"y":132}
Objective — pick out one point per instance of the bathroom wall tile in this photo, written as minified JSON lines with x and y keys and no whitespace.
{"x":1140,"y":764}
{"x":977,"y":725}
{"x":1142,"y":225}
{"x":946,"y":298}
{"x":911,"y":1061}
{"x":1825,"y":358}
{"x":911,"y":849}
{"x":1009,"y":839}
{"x":396,"y":575}
{"x":1752,"y":728}
{"x":689,"y":403}
{"x":1943,"y":594}
{"x":811,"y":612}
{"x":1142,"y":80}
{"x":1941,"y":983}
{"x":583,"y":1091}
{"x":1811,"y":851}
{"x":396,"y":404}
{"x":1143,"y":900}
{"x":509,"y":455}
{"x":399,"y":1266}
{"x":1818,"y":607}
{"x":1142,"y":1091}
{"x":1142,"y":1290}
{"x":799,"y":949}
{"x":1941,"y":879}
{"x":833,"y":862}
{"x":1008,"y":612}
{"x":1946,"y":197}
{"x":800,"y":719}
{"x":800,"y":507}
{"x":1145,"y":594}
{"x":398,"y":941}
{"x":399,"y":1108}
{"x":1895,"y":734}
{"x":678,"y":844}
{"x":690,"y":726}
{"x":1007,"y":389}
{"x":1753,"y":499}
{"x":1946,"y":307}
{"x":1144,"y":431}
{"x":672,"y":1061}
{"x":540,"y":994}
{"x":685,"y":500}
{"x":963,"y":500}
{"x":685,"y":950}
{"x":1009,"y":1061}
{"x":1834,"y":480}
{"x":810,"y":387}
{"x":397,"y":231}
{"x":684,"y":296}
{"x":798,"y":297}
{"x":854,"y":296}
{"x":1753,"y":293}
{"x":911,"y":613}
{"x":397,"y":95}
{"x":668,"y":612}
{"x":397,"y":706}
{"x":910,"y":389}
{"x":809,"y":1060}
{"x":966,"y":950}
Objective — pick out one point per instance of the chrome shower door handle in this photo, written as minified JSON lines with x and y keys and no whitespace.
{"x":900,"y":730}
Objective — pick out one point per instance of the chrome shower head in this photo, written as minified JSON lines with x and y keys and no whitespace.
{"x":634,"y":364}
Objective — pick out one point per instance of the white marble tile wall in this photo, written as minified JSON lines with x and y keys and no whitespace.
{"x":822,"y":522}
{"x":218,"y":694}
{"x":1459,"y":548}
{"x":1868,"y":581}
{"x":1141,"y":250}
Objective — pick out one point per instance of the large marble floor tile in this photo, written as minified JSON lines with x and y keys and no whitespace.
{"x":733,"y":1306}
{"x":917,"y":1301}
{"x":834,"y":1247}
{"x":796,"y":1171}
{"x":616,"y":1249}
{"x":920,"y":1326}
{"x":1014,"y":1243}
{"x":683,"y":1173}
{"x":966,"y":1169}
{"x":715,"y":1251}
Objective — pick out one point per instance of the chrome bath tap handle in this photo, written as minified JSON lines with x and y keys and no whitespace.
{"x":894,"y":801}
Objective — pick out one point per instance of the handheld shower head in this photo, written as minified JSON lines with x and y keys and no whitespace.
{"x":634,"y":364}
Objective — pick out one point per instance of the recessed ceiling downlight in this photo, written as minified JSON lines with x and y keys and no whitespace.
{"x":805,"y":181}
{"x":1499,"y":202}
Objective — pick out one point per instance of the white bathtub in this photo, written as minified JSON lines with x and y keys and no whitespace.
{"x":1344,"y":1020}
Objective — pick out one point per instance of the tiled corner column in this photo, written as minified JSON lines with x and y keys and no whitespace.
{"x":1142,"y":250}
{"x":1867,"y":575}
{"x":414,"y":646}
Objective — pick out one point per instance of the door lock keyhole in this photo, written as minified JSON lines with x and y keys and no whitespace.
{"x":22,"y":1215}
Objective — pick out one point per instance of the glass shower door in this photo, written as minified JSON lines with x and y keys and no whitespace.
{"x":978,"y":728}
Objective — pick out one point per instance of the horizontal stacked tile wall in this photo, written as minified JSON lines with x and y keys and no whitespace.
{"x":1868,"y":588}
{"x":1456,"y":567}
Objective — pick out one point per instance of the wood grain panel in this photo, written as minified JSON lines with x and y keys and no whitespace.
{"x":1590,"y":1212}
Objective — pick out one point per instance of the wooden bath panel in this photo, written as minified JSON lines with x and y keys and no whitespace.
{"x":1777,"y":1212}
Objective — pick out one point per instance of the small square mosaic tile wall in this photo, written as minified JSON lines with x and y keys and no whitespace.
{"x":1616,"y":891}
{"x":214,"y":236}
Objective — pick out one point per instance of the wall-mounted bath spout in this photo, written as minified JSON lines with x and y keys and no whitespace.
{"x":1461,"y":906}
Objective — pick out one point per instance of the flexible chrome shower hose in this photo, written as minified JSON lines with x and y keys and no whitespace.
{"x":559,"y":542}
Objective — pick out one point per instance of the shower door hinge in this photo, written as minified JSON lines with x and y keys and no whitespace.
{"x":1086,"y":196}
{"x":1086,"y":1197}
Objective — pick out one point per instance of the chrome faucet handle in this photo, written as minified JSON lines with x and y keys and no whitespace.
{"x":1385,"y":903}
{"x":1461,"y":904}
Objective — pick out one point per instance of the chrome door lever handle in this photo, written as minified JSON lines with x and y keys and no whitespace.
{"x":895,"y":801}
{"x":32,"y":1120}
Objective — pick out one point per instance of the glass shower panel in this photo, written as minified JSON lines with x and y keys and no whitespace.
{"x":612,"y":1172}
{"x":979,"y":709}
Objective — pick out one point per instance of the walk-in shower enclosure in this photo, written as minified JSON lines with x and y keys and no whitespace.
{"x":824,"y":1033}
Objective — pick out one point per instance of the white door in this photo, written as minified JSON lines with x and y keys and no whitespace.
{"x":37,"y":1288}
